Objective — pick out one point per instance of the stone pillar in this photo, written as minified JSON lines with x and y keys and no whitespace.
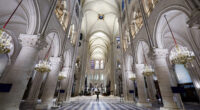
{"x":130,"y":86}
{"x":78,"y":77}
{"x":84,"y":59}
{"x":193,"y":72}
{"x":142,"y":95}
{"x":50,"y":86}
{"x":151,"y":88}
{"x":19,"y":74}
{"x":64,"y":84}
{"x":34,"y":92}
{"x":70,"y":84}
{"x":112,"y":69}
{"x":163,"y":75}
{"x":124,"y":80}
{"x":35,"y":88}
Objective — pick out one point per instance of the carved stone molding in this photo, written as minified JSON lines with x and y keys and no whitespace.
{"x":34,"y":41}
{"x":28,"y":40}
{"x":194,"y":20}
{"x":139,"y":66}
{"x":55,"y":60}
{"x":67,"y":69}
{"x":160,"y":53}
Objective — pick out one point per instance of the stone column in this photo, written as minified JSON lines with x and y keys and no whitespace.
{"x":112,"y":69}
{"x":19,"y":74}
{"x":70,"y":84}
{"x":35,"y":88}
{"x":124,"y":79}
{"x":130,"y":86}
{"x":50,"y":86}
{"x":78,"y":77}
{"x":193,"y":72}
{"x":64,"y":84}
{"x":142,"y":95}
{"x":84,"y":59}
{"x":34,"y":92}
{"x":163,"y":74}
{"x":151,"y":88}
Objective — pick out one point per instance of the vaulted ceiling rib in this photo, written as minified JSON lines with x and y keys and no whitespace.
{"x":100,"y":31}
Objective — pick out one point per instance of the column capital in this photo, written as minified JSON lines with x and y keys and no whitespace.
{"x":161,"y":53}
{"x":55,"y":60}
{"x":139,"y":66}
{"x":66,"y":68}
{"x":28,"y":40}
{"x":128,"y":70}
{"x":69,"y":67}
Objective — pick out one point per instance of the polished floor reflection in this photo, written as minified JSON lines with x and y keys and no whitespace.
{"x":105,"y":103}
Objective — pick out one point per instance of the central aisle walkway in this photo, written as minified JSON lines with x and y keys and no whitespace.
{"x":105,"y":103}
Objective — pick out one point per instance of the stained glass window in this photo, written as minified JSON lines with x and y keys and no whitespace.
{"x":97,"y":64}
{"x":102,"y":64}
{"x":92,"y":64}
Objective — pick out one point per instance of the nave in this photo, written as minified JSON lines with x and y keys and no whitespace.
{"x":65,"y":52}
{"x":105,"y":103}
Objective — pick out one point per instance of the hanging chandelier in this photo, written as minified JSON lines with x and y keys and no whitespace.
{"x":61,"y":76}
{"x":5,"y":38}
{"x":180,"y":54}
{"x":148,"y":70}
{"x":5,"y":42}
{"x":43,"y":66}
{"x":132,"y":77}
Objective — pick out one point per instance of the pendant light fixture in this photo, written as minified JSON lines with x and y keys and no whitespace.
{"x":62,"y":75}
{"x":5,"y":37}
{"x":132,"y":77}
{"x":44,"y":65}
{"x":148,"y":69}
{"x":180,"y":54}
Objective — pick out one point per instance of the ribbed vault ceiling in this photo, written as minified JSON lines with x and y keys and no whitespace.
{"x":100,"y":32}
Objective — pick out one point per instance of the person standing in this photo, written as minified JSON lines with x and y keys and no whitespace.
{"x":97,"y":93}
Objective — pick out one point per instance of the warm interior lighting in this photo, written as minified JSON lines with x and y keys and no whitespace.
{"x":132,"y":76}
{"x":44,"y":65}
{"x":179,"y":55}
{"x":148,"y":70}
{"x":5,"y":38}
{"x":61,"y":76}
{"x":5,"y":42}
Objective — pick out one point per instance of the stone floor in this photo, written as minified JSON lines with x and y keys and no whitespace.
{"x":192,"y":106}
{"x":110,"y":103}
{"x":105,"y":103}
